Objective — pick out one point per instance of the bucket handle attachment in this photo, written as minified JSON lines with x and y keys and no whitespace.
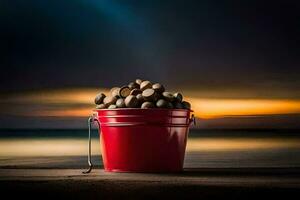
{"x":91,"y":119}
{"x":193,"y":120}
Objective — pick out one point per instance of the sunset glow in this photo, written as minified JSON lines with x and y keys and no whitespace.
{"x":210,"y":108}
{"x":79,"y":103}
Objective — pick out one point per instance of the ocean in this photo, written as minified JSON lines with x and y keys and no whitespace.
{"x":205,"y":149}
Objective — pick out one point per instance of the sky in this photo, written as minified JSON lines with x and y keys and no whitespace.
{"x":240,"y":58}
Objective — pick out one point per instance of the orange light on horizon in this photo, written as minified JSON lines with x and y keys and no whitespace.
{"x":76,"y":95}
{"x":211,"y":108}
{"x":76,"y":112}
{"x":203,"y":108}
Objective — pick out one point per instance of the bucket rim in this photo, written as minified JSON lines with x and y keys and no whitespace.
{"x":158,"y":109}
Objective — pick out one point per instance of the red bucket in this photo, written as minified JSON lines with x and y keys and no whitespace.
{"x":143,"y":140}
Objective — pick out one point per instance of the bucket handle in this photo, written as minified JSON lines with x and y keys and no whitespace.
{"x":91,"y":119}
{"x":193,"y":120}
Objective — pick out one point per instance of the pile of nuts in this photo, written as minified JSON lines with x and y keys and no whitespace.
{"x":141,"y":94}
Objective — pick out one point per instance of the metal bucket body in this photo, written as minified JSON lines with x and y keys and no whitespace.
{"x":143,"y":140}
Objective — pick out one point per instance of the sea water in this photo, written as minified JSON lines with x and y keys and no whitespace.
{"x":205,"y":148}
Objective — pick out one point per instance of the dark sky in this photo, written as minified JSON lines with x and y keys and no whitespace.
{"x":188,"y":44}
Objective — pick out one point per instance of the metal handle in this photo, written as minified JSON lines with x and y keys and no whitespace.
{"x":90,"y":121}
{"x":193,"y":120}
